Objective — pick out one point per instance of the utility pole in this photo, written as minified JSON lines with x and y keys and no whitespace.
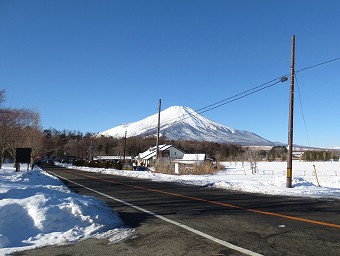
{"x":158,"y":129}
{"x":290,"y":117}
{"x":125,"y":147}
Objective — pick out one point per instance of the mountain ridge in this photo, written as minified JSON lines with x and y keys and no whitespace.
{"x":178,"y":122}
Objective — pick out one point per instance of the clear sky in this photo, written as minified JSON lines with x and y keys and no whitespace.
{"x":90,"y":65}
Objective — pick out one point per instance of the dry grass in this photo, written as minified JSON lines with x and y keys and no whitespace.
{"x":165,"y":168}
{"x":185,"y":169}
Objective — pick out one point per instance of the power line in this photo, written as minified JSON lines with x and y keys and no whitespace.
{"x":304,"y":69}
{"x":240,"y":97}
{"x":229,"y":100}
{"x":221,"y":101}
{"x":250,"y":91}
{"x":317,"y":65}
{"x":303,"y":114}
{"x":247,"y":93}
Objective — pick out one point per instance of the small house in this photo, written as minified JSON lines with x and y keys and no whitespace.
{"x":166,"y":153}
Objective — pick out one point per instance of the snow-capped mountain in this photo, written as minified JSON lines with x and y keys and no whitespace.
{"x":183,"y":123}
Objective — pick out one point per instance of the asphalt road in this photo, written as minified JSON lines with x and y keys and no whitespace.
{"x":175,"y":219}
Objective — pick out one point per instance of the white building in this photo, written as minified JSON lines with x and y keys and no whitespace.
{"x":297,"y":154}
{"x":189,"y":159}
{"x":166,"y":153}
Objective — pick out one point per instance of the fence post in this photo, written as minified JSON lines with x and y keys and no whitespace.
{"x":176,"y":168}
{"x":316,"y":176}
{"x":17,"y":166}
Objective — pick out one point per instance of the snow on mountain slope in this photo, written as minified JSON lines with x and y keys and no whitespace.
{"x":183,"y":123}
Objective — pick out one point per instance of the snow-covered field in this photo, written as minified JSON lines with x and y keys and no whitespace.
{"x":270,"y":178}
{"x":36,"y":209}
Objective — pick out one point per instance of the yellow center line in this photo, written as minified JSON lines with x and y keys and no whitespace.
{"x":218,"y":203}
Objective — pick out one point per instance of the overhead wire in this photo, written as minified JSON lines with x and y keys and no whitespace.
{"x":254,"y":89}
{"x":240,"y":97}
{"x":299,"y":94}
{"x":247,"y":93}
{"x":221,"y":101}
{"x":303,"y":114}
{"x":317,"y":65}
{"x":224,"y":101}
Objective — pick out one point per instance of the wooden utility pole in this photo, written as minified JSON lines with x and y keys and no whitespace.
{"x":125,"y":147}
{"x":158,"y":129}
{"x":290,"y":117}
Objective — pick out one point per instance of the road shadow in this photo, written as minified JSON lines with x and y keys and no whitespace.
{"x":133,"y":219}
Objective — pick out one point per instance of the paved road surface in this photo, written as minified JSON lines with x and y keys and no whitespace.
{"x":174,"y":219}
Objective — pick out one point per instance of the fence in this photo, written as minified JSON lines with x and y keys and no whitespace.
{"x":279,"y":169}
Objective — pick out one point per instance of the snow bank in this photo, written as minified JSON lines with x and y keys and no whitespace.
{"x":36,"y":209}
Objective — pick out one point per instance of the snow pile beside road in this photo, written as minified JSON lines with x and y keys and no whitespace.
{"x":36,"y":209}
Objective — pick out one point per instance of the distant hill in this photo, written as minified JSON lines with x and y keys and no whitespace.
{"x":183,"y":123}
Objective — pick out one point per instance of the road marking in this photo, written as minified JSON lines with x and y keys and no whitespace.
{"x":195,"y":231}
{"x":219,"y":203}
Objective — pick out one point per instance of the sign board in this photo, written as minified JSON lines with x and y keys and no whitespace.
{"x":23,"y":155}
{"x":71,"y":159}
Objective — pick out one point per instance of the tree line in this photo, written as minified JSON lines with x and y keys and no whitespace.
{"x":21,"y":128}
{"x":59,"y":144}
{"x":320,"y":155}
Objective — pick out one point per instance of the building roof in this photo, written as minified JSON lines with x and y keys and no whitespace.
{"x":194,"y":157}
{"x":191,"y":159}
{"x":151,"y":152}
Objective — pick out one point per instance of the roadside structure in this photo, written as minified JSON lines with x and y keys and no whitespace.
{"x":111,"y":158}
{"x":189,"y":160}
{"x":167,"y":153}
{"x":118,"y":161}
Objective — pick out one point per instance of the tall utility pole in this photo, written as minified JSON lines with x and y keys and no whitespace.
{"x":290,"y":117}
{"x":158,"y":129}
{"x":125,"y":147}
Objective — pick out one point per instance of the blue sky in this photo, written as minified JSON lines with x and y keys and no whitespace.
{"x":91,"y":65}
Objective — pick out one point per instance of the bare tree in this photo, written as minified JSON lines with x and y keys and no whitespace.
{"x":19,"y":128}
{"x":6,"y":122}
{"x":2,"y":96}
{"x":253,"y":156}
{"x":26,"y":131}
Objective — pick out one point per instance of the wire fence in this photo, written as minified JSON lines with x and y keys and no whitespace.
{"x":305,"y":169}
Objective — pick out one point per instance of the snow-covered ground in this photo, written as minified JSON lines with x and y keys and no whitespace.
{"x":270,"y":178}
{"x":36,"y":209}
